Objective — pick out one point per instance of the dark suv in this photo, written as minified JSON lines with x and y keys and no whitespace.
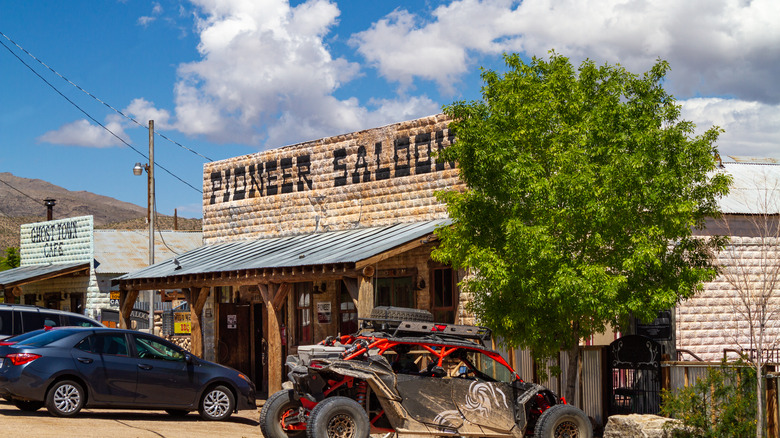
{"x":404,"y":374}
{"x":20,"y":318}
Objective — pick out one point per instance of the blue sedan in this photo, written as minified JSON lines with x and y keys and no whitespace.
{"x":75,"y":367}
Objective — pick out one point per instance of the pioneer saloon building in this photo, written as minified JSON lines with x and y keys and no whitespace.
{"x":301,"y":241}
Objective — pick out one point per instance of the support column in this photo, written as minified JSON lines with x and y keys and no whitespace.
{"x":196,"y":298}
{"x":365,"y":292}
{"x":126,"y":302}
{"x":273,"y":298}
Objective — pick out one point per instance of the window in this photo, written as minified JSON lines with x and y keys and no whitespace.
{"x":115,"y":345}
{"x":147,"y":348}
{"x":6,"y":322}
{"x":395,"y":291}
{"x":303,"y":313}
{"x":37,"y":320}
{"x":225,"y":294}
{"x":445,"y":297}
{"x":348,"y":318}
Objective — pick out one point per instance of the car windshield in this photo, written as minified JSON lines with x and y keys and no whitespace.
{"x":45,"y":338}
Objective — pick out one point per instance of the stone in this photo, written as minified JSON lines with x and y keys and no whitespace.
{"x":640,"y":426}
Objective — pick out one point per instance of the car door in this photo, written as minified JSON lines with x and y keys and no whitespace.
{"x":165,"y":378}
{"x":105,"y":363}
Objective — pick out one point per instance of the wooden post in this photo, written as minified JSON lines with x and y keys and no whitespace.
{"x":772,"y":426}
{"x":126,"y":302}
{"x":366,"y":293}
{"x":197,"y":300}
{"x":273,"y":298}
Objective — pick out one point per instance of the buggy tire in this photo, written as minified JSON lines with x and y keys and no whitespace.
{"x":28,"y":406}
{"x":563,"y":421}
{"x":401,"y":314}
{"x":217,"y":404}
{"x":271,"y":415}
{"x":338,"y":417}
{"x":65,"y":398}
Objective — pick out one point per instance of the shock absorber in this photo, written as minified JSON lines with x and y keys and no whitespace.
{"x":360,"y":397}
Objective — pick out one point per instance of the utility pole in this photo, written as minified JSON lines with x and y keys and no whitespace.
{"x":150,"y":172}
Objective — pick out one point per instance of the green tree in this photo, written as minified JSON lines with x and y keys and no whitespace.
{"x":583,"y":188}
{"x":11,"y":259}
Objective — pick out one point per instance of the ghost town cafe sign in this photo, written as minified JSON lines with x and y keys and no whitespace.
{"x":53,"y":236}
{"x":402,"y":157}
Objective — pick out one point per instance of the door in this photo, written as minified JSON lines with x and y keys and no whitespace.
{"x":234,"y":329}
{"x":165,"y":379}
{"x":111,"y":373}
{"x":635,"y":368}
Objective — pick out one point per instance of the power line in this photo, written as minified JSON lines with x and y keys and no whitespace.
{"x":25,"y":194}
{"x":99,"y":100}
{"x":87,"y":114}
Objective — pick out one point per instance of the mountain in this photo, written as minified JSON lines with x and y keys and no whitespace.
{"x":21,"y":202}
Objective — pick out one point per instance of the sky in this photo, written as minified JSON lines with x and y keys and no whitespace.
{"x":223,"y":78}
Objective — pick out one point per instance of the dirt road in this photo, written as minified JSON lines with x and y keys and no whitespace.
{"x":123,"y":424}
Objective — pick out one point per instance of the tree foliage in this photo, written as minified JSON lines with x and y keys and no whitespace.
{"x":11,"y":259}
{"x":583,"y":187}
{"x":722,"y":404}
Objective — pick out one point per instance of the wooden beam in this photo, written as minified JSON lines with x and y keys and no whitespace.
{"x":273,"y":298}
{"x":353,"y":288}
{"x":126,"y":303}
{"x":365,"y":302}
{"x":249,"y":278}
{"x":196,"y":297}
{"x":416,"y":243}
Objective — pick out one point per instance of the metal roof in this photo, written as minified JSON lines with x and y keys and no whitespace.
{"x":123,"y":251}
{"x":346,"y":246}
{"x":755,"y":188}
{"x":28,"y":274}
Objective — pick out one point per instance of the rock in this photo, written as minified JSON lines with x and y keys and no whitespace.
{"x":640,"y":426}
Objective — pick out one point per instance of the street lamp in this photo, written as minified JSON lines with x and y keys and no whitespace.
{"x":137,"y":171}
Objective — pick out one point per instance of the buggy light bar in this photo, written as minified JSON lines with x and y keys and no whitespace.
{"x":461,"y":331}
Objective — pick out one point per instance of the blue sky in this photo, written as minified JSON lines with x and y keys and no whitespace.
{"x":230,"y":77}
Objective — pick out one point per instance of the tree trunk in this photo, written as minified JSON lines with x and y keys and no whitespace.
{"x":572,"y":372}
{"x":759,"y":400}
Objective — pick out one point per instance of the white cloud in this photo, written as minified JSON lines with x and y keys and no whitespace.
{"x":157,"y":10}
{"x":83,"y":133}
{"x":143,"y":111}
{"x":266,"y":76}
{"x":750,"y":127}
{"x":723,"y":47}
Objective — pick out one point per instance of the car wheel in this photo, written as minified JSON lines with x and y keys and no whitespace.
{"x":280,"y":413}
{"x":65,"y":399}
{"x":338,"y":417}
{"x":563,"y":421}
{"x":29,"y":406}
{"x":217,"y":403}
{"x":177,"y":412}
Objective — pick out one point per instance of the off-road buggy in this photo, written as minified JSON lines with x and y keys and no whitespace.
{"x":405,"y":375}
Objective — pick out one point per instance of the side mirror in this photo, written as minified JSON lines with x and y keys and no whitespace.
{"x":188,"y":358}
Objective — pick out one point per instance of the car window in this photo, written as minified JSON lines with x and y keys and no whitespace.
{"x":489,"y":367}
{"x":37,"y":320}
{"x":114,"y":344}
{"x":6,"y":322}
{"x":78,"y":321}
{"x":45,"y":338}
{"x":148,"y":348}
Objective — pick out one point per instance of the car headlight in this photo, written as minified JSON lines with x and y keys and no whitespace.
{"x":244,"y":377}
